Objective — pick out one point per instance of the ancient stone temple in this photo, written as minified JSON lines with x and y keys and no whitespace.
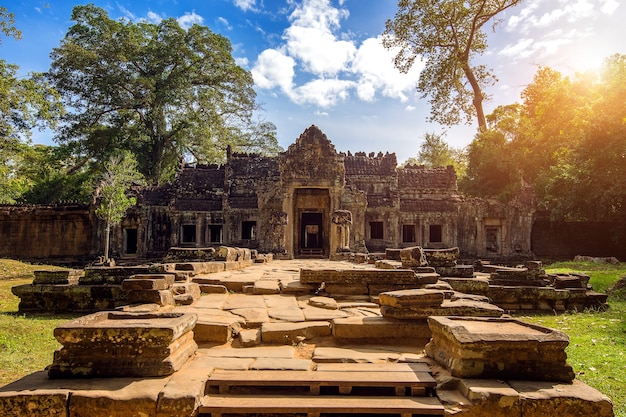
{"x":314,"y":201}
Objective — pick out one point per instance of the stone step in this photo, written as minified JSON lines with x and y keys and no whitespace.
{"x":417,"y":383}
{"x":216,"y":405}
{"x":380,"y":328}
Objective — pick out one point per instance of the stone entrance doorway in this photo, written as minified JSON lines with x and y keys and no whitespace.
{"x":312,"y":214}
{"x":311,"y":237}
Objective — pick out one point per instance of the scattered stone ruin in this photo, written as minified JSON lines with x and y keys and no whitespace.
{"x":376,"y":335}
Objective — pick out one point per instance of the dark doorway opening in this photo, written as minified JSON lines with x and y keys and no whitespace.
{"x":311,"y":238}
{"x":131,"y":241}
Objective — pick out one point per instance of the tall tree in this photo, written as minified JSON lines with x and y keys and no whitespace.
{"x":25,"y":103}
{"x":446,"y":35}
{"x":158,"y":90}
{"x":119,"y":175}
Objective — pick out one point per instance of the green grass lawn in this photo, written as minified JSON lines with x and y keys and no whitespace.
{"x":597,"y":349}
{"x":26,"y":340}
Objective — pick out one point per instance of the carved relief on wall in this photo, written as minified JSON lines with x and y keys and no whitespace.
{"x":343,"y":220}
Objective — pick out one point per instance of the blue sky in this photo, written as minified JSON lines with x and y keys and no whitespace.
{"x":321,"y":62}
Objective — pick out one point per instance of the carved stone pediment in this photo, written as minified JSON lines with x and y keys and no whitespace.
{"x":312,"y":160}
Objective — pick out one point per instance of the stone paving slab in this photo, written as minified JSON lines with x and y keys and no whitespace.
{"x":281,"y":364}
{"x":237,"y":301}
{"x":316,"y":314}
{"x":253,"y":352}
{"x":367,"y":354}
{"x":274,"y":301}
{"x":254,"y":317}
{"x":290,"y":314}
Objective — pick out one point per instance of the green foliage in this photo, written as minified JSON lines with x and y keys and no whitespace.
{"x":157,"y":90}
{"x":7,"y":24}
{"x":120,"y":173}
{"x":567,"y":139}
{"x":446,"y":35}
{"x":435,"y":152}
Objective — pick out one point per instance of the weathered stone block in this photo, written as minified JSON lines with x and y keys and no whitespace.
{"x":62,"y":277}
{"x":472,"y":347}
{"x":442,"y":257}
{"x":413,"y":256}
{"x":412,"y":298}
{"x":459,"y":307}
{"x":160,"y":297}
{"x":101,"y":275}
{"x":115,"y":344}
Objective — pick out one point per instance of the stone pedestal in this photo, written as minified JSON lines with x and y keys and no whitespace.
{"x":115,"y":344}
{"x":500,"y":348}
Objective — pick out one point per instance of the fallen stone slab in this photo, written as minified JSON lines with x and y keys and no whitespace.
{"x":442,"y":257}
{"x":212,"y":288}
{"x":413,"y":256}
{"x":289,"y":333}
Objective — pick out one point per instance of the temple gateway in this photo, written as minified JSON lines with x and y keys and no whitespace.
{"x":314,"y":201}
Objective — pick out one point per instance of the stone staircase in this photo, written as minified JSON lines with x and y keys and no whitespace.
{"x":405,"y":389}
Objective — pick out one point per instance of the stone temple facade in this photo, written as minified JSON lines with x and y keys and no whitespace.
{"x":314,"y":201}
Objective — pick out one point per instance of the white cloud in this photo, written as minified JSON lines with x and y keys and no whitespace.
{"x":246,"y":5}
{"x":410,"y":108}
{"x":374,"y":66}
{"x":522,"y":49}
{"x":274,"y":69}
{"x":609,"y":7}
{"x":332,"y":67}
{"x":154,"y":17}
{"x":310,"y":38}
{"x":224,"y":22}
{"x":188,"y":19}
{"x":322,"y":92}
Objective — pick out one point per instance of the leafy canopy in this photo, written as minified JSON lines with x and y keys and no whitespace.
{"x":446,"y":35}
{"x":567,"y":139}
{"x":156,"y":90}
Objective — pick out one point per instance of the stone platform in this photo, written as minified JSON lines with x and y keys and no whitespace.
{"x":257,"y":330}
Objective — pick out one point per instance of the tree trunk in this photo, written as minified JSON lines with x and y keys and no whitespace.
{"x":478,"y":97}
{"x":107,"y":235}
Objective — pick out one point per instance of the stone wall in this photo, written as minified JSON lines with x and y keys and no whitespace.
{"x":63,"y":232}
